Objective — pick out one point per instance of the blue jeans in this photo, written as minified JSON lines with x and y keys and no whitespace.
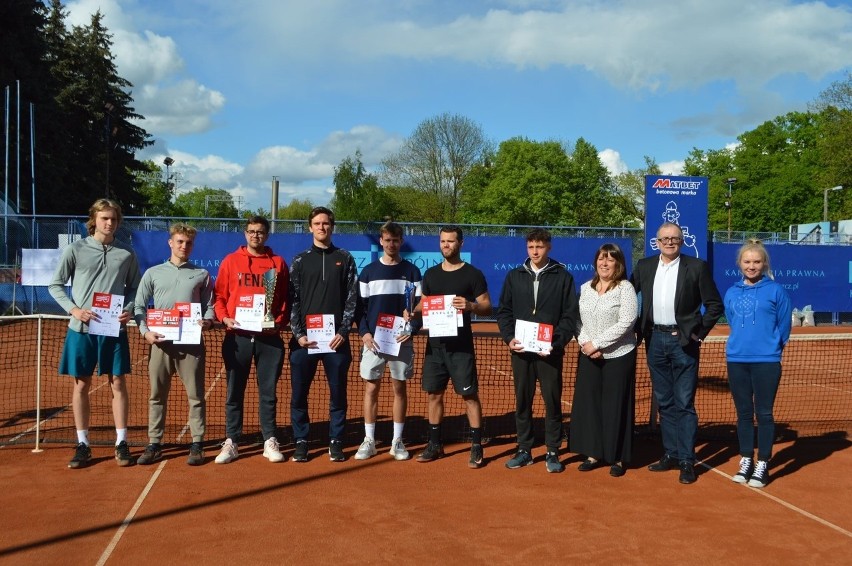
{"x":303,"y":367}
{"x":674,"y":375}
{"x":753,"y":387}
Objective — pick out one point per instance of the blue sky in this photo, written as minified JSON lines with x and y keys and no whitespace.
{"x":236,"y":92}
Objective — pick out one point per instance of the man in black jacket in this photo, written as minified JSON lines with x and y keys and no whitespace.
{"x":539,"y":291}
{"x":673,"y":288}
{"x":323,"y":295}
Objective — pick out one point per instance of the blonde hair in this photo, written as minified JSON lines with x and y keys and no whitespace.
{"x":183,"y":229}
{"x":99,"y":206}
{"x":755,"y":245}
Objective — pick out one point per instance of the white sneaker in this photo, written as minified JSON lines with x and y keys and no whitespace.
{"x":271,"y":450}
{"x":398,"y":450}
{"x":228,"y":453}
{"x":366,"y":450}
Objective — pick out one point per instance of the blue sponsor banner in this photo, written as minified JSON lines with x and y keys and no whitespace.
{"x":820,"y":276}
{"x":682,"y":201}
{"x":494,"y":255}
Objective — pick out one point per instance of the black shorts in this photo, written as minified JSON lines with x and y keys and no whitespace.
{"x":440,"y":365}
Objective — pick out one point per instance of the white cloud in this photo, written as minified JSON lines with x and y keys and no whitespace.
{"x":611,"y":159}
{"x":291,"y":165}
{"x":185,"y":107}
{"x":302,"y":174}
{"x":171,"y":104}
{"x":671,"y":167}
{"x":644,"y":45}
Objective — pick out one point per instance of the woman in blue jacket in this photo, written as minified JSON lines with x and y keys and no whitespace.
{"x":759,"y":314}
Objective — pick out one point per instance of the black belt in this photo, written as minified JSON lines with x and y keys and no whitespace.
{"x":666,"y":327}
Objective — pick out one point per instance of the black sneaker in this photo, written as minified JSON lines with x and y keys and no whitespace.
{"x":335,"y":451}
{"x":196,"y":454}
{"x":744,"y":473}
{"x":82,"y":456}
{"x":520,"y":459}
{"x":760,"y":476}
{"x":301,"y":453}
{"x":122,"y":454}
{"x":552,"y":463}
{"x":476,"y":459}
{"x":153,"y":453}
{"x":431,"y":452}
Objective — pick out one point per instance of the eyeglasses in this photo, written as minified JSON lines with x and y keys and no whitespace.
{"x":256,"y":232}
{"x":669,"y":240}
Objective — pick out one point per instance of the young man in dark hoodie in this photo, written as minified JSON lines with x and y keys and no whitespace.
{"x":323,"y":286}
{"x":541,"y":291}
{"x":242,"y":275}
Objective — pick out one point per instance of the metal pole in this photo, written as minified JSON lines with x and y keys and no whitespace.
{"x":6,"y":181}
{"x":274,"y":204}
{"x":32,"y":155}
{"x":18,"y":150}
{"x":825,"y":201}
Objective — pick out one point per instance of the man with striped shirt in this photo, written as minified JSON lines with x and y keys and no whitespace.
{"x":388,"y":286}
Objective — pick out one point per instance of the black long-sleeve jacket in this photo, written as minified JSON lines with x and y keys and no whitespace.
{"x":554,"y":303}
{"x":323,"y":281}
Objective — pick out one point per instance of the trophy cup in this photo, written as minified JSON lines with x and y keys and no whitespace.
{"x":270,"y":278}
{"x":406,"y":329}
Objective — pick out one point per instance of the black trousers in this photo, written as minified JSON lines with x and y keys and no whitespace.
{"x":527,"y":368}
{"x":603,"y":408}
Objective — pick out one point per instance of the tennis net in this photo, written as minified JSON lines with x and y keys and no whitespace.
{"x":815,"y":397}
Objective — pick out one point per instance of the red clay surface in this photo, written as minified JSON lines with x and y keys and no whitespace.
{"x":383,"y":511}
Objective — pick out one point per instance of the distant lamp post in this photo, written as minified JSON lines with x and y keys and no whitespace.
{"x":825,"y":201}
{"x":729,"y":203}
{"x":168,"y":162}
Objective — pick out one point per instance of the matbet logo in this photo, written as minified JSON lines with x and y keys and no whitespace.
{"x":669,"y":184}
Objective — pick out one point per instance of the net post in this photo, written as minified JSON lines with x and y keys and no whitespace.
{"x":37,"y":448}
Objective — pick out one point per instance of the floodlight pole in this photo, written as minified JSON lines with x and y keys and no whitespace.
{"x":825,"y":201}
{"x":729,"y":204}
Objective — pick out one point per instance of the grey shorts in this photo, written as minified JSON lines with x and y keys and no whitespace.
{"x":401,"y":366}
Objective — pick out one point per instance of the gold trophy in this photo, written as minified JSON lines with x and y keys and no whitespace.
{"x":270,"y":279}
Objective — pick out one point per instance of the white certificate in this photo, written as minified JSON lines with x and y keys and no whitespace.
{"x":440,"y":316}
{"x":107,"y":308}
{"x":534,"y":336}
{"x":320,"y":328}
{"x":249,"y":313}
{"x":165,"y":322}
{"x":388,"y":327}
{"x":190,"y":317}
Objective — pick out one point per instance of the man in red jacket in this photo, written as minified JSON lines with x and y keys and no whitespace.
{"x":248,"y":278}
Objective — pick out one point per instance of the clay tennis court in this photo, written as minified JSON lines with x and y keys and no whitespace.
{"x":383,"y":511}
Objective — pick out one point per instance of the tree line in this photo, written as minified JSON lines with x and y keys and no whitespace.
{"x":87,"y":134}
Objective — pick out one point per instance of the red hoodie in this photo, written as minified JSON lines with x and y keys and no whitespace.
{"x":242,"y":272}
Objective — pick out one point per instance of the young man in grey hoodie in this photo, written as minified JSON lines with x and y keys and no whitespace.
{"x":97,"y":264}
{"x":174,"y":281}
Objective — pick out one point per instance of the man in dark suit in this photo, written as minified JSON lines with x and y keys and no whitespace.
{"x":673,"y":288}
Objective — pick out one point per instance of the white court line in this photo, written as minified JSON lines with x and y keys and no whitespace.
{"x":206,"y":396}
{"x":129,"y":518}
{"x":790,"y":506}
{"x":44,"y":420}
{"x":809,"y":384}
{"x":126,"y":523}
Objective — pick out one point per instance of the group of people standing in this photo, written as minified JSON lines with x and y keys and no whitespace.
{"x":669,"y":301}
